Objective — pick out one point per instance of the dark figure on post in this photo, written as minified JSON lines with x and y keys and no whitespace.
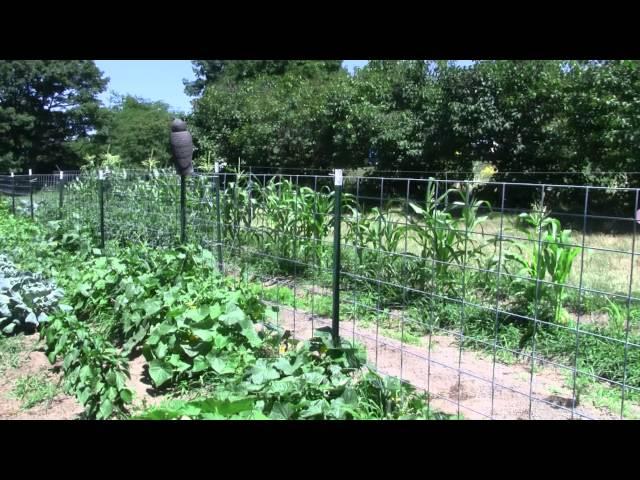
{"x":181,"y":147}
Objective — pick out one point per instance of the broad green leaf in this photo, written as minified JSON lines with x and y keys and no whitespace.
{"x":281,"y":411}
{"x":186,"y":348}
{"x":215,"y":311}
{"x":160,"y":372}
{"x":251,"y":335}
{"x":262,"y":373}
{"x":106,"y":408}
{"x":220,"y":342}
{"x":314,"y":378}
{"x":284,"y":366}
{"x":84,"y":395}
{"x":197,"y":315}
{"x":121,"y":380}
{"x":284,"y":386}
{"x":218,"y":364}
{"x":200,"y":364}
{"x":151,"y":307}
{"x":204,"y":335}
{"x":84,"y":289}
{"x":233,"y":317}
{"x":175,"y":361}
{"x":126,"y":395}
{"x":161,"y":350}
{"x":315,"y":408}
{"x":164,"y":328}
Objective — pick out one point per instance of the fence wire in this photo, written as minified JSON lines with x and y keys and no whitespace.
{"x":500,"y":300}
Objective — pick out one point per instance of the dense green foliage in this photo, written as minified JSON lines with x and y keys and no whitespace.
{"x":45,"y":105}
{"x":26,"y":299}
{"x":137,"y":131}
{"x":425,"y":256}
{"x":533,"y":115}
{"x":193,"y":326}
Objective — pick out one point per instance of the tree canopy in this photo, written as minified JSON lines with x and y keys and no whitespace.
{"x":137,"y":130}
{"x":422,"y":115}
{"x":45,"y":105}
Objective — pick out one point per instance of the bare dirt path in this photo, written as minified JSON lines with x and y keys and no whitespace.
{"x":30,"y":361}
{"x":467,"y":383}
{"x":144,"y":394}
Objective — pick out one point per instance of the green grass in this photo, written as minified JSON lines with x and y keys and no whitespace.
{"x":34,"y":389}
{"x":601,"y":395}
{"x":10,"y":352}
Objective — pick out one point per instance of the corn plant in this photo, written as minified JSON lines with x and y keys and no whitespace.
{"x":433,"y":229}
{"x":295,"y":222}
{"x":237,"y":207}
{"x":469,"y":222}
{"x":377,"y":240}
{"x":551,"y":253}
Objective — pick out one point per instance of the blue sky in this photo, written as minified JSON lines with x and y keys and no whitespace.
{"x":149,"y":79}
{"x":161,"y":79}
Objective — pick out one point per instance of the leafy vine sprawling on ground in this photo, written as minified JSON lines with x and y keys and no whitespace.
{"x":192,"y":325}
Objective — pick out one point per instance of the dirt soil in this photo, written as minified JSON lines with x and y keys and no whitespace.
{"x":144,"y":394}
{"x":32,"y":360}
{"x":465,"y":383}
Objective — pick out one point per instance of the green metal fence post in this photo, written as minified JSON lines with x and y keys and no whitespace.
{"x":337,"y":220}
{"x":13,"y":193}
{"x":249,"y":189}
{"x":61,"y":194}
{"x":31,"y":191}
{"x":216,"y":186}
{"x":101,"y":204}
{"x":183,"y":209}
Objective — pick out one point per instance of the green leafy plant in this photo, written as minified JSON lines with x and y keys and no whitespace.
{"x":26,"y":299}
{"x":551,"y":253}
{"x":446,"y":242}
{"x":94,"y":371}
{"x":217,"y":336}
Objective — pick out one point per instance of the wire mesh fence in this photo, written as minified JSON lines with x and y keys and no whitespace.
{"x":500,"y":300}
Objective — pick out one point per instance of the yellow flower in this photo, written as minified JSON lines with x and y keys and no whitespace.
{"x":488,"y":171}
{"x":283,"y":349}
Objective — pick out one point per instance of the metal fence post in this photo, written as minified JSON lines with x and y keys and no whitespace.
{"x":337,"y":220}
{"x":13,"y":193}
{"x":250,"y":187}
{"x":61,"y":195}
{"x":101,"y":204}
{"x":216,"y":186}
{"x":31,"y":191}
{"x":183,"y":209}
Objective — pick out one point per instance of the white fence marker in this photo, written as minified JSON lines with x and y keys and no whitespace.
{"x":338,"y":177}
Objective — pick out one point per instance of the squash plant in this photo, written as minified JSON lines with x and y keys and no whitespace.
{"x":94,"y":370}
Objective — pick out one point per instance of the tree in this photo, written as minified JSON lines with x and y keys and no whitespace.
{"x":44,"y":105}
{"x":602,"y":107}
{"x":136,"y":129}
{"x":207,"y":71}
{"x":214,"y":71}
{"x":507,"y":113}
{"x":270,"y":113}
{"x":393,"y":114}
